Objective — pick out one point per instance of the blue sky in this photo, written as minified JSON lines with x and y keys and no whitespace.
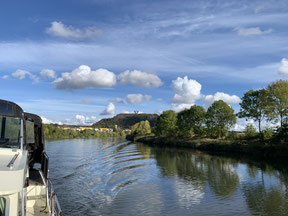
{"x":78,"y":61}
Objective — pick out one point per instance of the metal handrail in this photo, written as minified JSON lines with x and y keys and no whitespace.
{"x":54,"y":206}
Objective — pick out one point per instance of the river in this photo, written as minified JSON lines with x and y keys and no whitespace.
{"x":110,"y":176}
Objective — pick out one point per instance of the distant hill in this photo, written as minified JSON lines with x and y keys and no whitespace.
{"x":125,"y":121}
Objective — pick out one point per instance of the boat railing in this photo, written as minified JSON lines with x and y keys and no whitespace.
{"x":54,"y":205}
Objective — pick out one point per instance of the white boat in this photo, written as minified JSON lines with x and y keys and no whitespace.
{"x":25,"y":188}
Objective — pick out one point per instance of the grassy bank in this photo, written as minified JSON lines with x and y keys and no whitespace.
{"x":252,"y":147}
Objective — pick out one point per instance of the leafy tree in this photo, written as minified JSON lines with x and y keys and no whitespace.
{"x":254,"y":106}
{"x":141,"y":128}
{"x":278,"y":92}
{"x":166,"y":123}
{"x":190,"y":121}
{"x":220,"y":118}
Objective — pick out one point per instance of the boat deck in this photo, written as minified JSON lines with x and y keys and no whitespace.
{"x":36,"y":194}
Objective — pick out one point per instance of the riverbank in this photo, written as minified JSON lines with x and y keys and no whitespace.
{"x":248,"y":147}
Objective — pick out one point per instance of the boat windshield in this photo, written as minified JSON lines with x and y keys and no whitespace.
{"x":10,"y":132}
{"x":2,"y":206}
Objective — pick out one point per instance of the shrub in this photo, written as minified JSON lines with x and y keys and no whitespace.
{"x":267,"y":133}
{"x":250,"y":130}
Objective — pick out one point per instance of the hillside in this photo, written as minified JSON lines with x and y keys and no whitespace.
{"x":125,"y":121}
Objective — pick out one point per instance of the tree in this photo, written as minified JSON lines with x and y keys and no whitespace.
{"x":141,"y":128}
{"x":278,"y":95}
{"x":250,"y":130}
{"x":254,"y":106}
{"x":190,"y":121}
{"x":166,"y":123}
{"x":220,"y":118}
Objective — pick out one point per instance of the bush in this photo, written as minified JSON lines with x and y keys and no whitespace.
{"x":267,"y":133}
{"x":232,"y":135}
{"x":250,"y":130}
{"x":282,"y":133}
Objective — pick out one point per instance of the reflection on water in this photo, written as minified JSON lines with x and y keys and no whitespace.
{"x":113,"y":177}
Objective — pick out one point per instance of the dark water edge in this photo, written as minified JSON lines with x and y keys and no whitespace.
{"x":114,"y":177}
{"x":252,"y":148}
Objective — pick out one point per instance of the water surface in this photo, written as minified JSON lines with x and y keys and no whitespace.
{"x":110,"y":176}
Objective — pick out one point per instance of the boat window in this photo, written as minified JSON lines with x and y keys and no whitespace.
{"x":2,"y":206}
{"x":30,"y":132}
{"x":9,"y":132}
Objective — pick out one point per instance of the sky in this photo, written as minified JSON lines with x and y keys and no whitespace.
{"x":78,"y":61}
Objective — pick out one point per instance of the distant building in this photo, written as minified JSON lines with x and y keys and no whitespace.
{"x":105,"y":129}
{"x":85,"y":128}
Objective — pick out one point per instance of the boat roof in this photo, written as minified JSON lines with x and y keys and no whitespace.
{"x":10,"y":109}
{"x":33,"y":118}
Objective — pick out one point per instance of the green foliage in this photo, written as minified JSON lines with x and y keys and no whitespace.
{"x":191,"y":121}
{"x":250,"y":130}
{"x":267,"y":133}
{"x":254,"y":106}
{"x":220,"y":118}
{"x":166,"y":123}
{"x":278,"y":95}
{"x":52,"y":132}
{"x":282,"y":133}
{"x":141,"y":128}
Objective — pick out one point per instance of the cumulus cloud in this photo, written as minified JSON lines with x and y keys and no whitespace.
{"x":118,"y":100}
{"x":187,"y":91}
{"x":48,"y":121}
{"x":229,"y":99}
{"x":58,"y":29}
{"x":139,"y":78}
{"x":48,"y":74}
{"x":180,"y":107}
{"x":109,"y":110}
{"x":21,"y":74}
{"x":5,"y":77}
{"x":252,"y":31}
{"x":283,"y":69}
{"x":85,"y":120}
{"x":137,"y":98}
{"x":159,"y":99}
{"x":84,"y":77}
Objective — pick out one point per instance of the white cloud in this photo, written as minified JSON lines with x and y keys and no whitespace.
{"x":139,"y":78}
{"x":5,"y":77}
{"x":117,"y":100}
{"x":85,"y":120}
{"x":137,"y":98}
{"x":84,"y":77}
{"x":180,"y":107}
{"x":21,"y":74}
{"x":187,"y":91}
{"x":48,"y":121}
{"x":109,"y":110}
{"x":58,"y":29}
{"x":48,"y":74}
{"x":229,"y":99}
{"x":252,"y":31}
{"x":159,"y":99}
{"x":283,"y":69}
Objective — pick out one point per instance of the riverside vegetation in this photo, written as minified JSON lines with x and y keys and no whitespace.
{"x":211,"y":130}
{"x":52,"y":132}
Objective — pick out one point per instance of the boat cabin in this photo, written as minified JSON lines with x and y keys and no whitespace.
{"x":25,"y":188}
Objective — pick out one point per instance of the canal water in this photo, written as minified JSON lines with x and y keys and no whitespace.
{"x":110,"y":176}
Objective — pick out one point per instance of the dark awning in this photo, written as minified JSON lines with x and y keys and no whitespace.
{"x":33,"y":118}
{"x":8,"y":108}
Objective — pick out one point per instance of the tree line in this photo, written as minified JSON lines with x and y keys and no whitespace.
{"x":269,"y":104}
{"x":53,"y":133}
